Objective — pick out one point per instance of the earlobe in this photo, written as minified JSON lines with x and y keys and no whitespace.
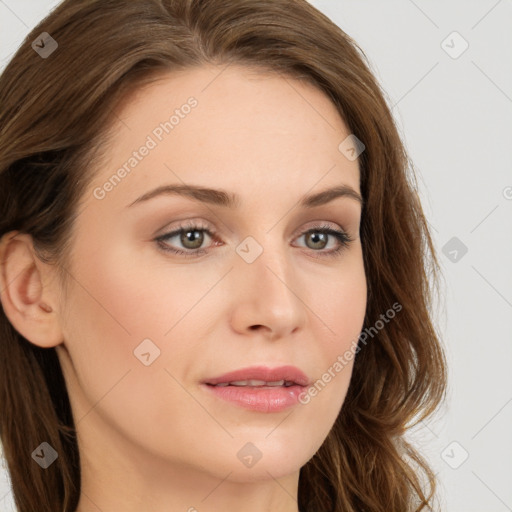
{"x":27,"y":303}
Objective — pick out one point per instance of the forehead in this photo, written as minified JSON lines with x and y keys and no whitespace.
{"x":240,"y":127}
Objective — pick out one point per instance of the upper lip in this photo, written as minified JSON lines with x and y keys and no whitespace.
{"x":264,"y":373}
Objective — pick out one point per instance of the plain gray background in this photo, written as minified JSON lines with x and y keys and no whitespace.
{"x":453,"y":106}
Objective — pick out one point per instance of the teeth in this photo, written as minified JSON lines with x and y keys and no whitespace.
{"x":238,"y":383}
{"x":276,"y":383}
{"x":256,"y":383}
{"x":250,"y":382}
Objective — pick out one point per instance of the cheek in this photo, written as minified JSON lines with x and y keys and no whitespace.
{"x":107,"y":316}
{"x":340,"y":306}
{"x":117,"y":301}
{"x":340,"y":303}
{"x":119,"y":296}
{"x":114,"y":305}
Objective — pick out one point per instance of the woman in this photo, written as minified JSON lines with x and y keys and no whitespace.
{"x":215,"y":267}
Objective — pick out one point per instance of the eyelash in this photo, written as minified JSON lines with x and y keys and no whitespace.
{"x":343,"y":238}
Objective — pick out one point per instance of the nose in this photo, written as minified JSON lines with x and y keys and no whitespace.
{"x":267,"y":299}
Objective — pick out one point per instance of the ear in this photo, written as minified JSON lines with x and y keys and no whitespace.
{"x":28,"y":300}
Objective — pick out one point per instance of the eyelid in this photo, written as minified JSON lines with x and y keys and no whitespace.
{"x":184,"y":224}
{"x":204,"y":225}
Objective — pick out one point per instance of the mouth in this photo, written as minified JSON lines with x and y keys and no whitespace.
{"x":256,"y":376}
{"x":259,"y":389}
{"x":253,"y":383}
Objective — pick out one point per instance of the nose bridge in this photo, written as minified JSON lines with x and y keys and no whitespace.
{"x":267,"y":284}
{"x":267,"y":261}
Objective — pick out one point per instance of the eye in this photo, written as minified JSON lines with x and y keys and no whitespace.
{"x":318,"y":236}
{"x":192,"y":236}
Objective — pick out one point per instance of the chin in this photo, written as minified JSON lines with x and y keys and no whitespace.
{"x":263,"y":471}
{"x":260,"y":460}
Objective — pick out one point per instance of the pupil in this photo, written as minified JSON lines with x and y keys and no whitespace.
{"x":320,"y":236}
{"x":195,"y":236}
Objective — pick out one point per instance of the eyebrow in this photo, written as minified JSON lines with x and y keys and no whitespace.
{"x":219,"y":197}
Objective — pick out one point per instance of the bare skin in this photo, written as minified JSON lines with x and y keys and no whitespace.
{"x":150,"y":437}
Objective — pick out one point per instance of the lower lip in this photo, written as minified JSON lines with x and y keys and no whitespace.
{"x":261,"y":399}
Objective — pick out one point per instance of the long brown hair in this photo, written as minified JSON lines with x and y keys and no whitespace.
{"x":53,"y":124}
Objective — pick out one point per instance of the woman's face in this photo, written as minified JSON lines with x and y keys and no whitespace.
{"x":145,"y":329}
